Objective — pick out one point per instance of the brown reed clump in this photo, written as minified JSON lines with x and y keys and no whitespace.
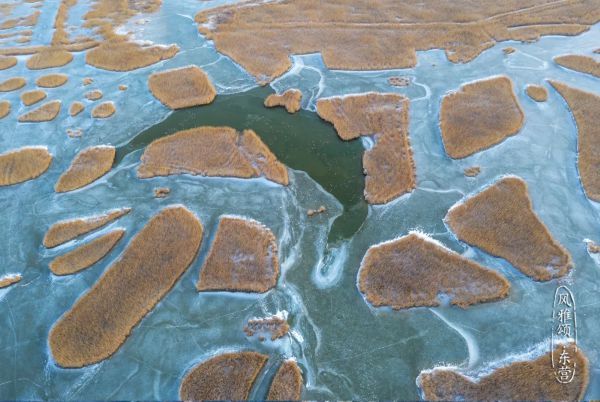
{"x":19,"y":165}
{"x":123,"y":87}
{"x":12,"y":84}
{"x":87,"y":81}
{"x":52,"y":80}
{"x":287,"y":383}
{"x":49,"y":58}
{"x":212,"y":151}
{"x":479,"y":115}
{"x":501,"y":221}
{"x":47,"y":112}
{"x":7,"y":62}
{"x":361,"y":35}
{"x":63,"y":231}
{"x":389,"y":165}
{"x":414,"y":271}
{"x":26,"y":21}
{"x":182,"y":87}
{"x":399,"y":81}
{"x":4,"y":108}
{"x":76,"y":108}
{"x":585,"y":108}
{"x":593,"y":248}
{"x":94,"y":95}
{"x":527,"y":380}
{"x":30,"y":97}
{"x":472,"y":171}
{"x":88,"y":166}
{"x":243,"y":258}
{"x":509,"y":50}
{"x":537,"y":92}
{"x":290,"y":99}
{"x":162,"y":192}
{"x":86,"y":255}
{"x":228,"y":376}
{"x":276,"y":325}
{"x":102,"y":319}
{"x":104,"y":110}
{"x":8,"y":280}
{"x":119,"y":55}
{"x":581,"y":63}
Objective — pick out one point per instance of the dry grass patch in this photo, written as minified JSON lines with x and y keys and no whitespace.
{"x":94,"y":95}
{"x":104,"y":110}
{"x":52,"y":80}
{"x":389,"y":165}
{"x":537,"y":92}
{"x":23,"y":164}
{"x":47,"y":112}
{"x":12,"y":84}
{"x":290,"y":99}
{"x":49,"y":58}
{"x":228,"y":376}
{"x":212,"y":151}
{"x":472,"y":171}
{"x":30,"y":97}
{"x":88,"y":166}
{"x":99,"y":322}
{"x":583,"y":64}
{"x":86,"y":255}
{"x":63,"y":231}
{"x":585,"y":108}
{"x":415,"y":271}
{"x":76,"y":108}
{"x":479,"y":115}
{"x":523,"y":380}
{"x":243,"y":258}
{"x":4,"y":108}
{"x":361,"y":35}
{"x":9,"y":280}
{"x":276,"y":325}
{"x":7,"y":62}
{"x":182,"y":87}
{"x":501,"y":221}
{"x":287,"y":383}
{"x":126,"y":56}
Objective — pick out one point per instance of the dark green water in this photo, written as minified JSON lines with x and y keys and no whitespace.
{"x":302,"y":141}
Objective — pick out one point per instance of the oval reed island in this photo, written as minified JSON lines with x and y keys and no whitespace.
{"x":415,"y":271}
{"x":49,"y":58}
{"x":63,"y":231}
{"x":228,"y":376}
{"x":104,"y":110}
{"x":93,"y":95}
{"x":86,"y":255}
{"x":46,"y":112}
{"x":182,"y":87}
{"x":87,"y":166}
{"x":212,"y":151}
{"x":580,"y":63}
{"x":23,"y":164}
{"x":7,"y":62}
{"x":287,"y":383}
{"x":99,"y":323}
{"x":389,"y":165}
{"x":30,"y":97}
{"x":261,"y":36}
{"x":585,"y":108}
{"x":479,"y":115}
{"x":501,"y":221}
{"x":76,"y":108}
{"x":12,"y":84}
{"x":533,"y":379}
{"x":290,"y":99}
{"x":537,"y":92}
{"x":242,"y":258}
{"x":4,"y":108}
{"x":52,"y":80}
